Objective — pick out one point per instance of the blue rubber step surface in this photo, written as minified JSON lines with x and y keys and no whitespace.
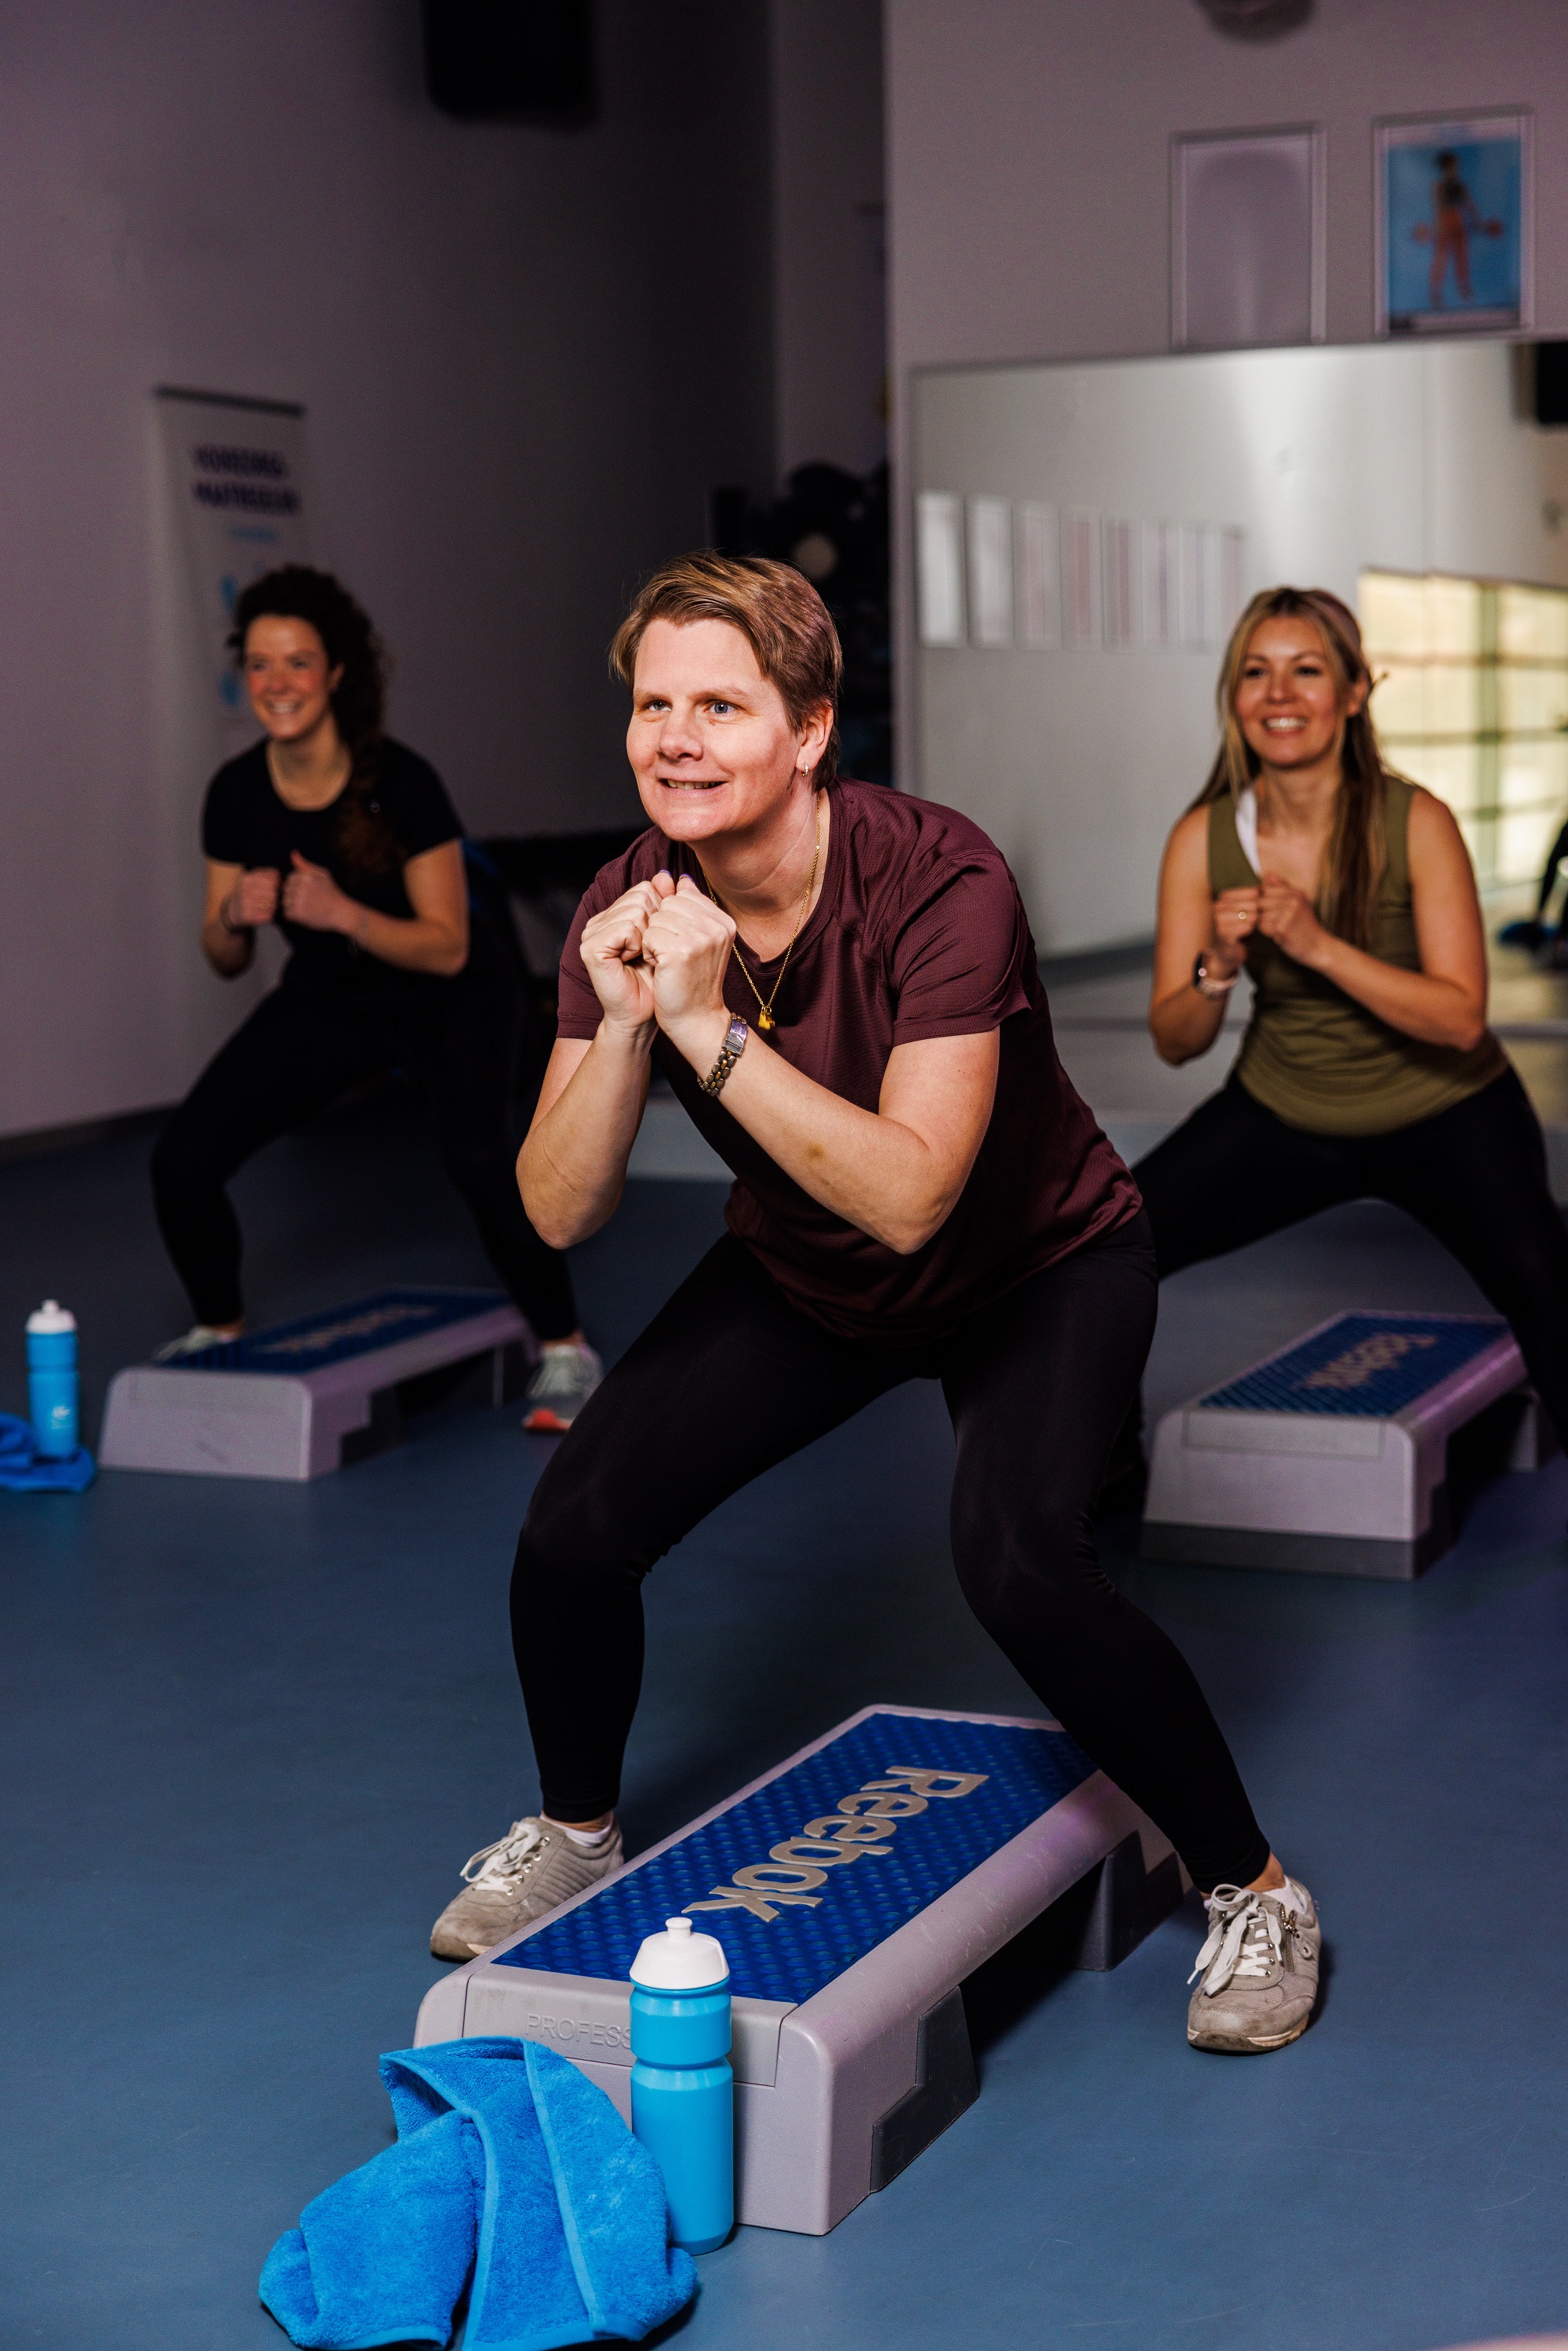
{"x":1360,"y":1366}
{"x":336,"y":1332}
{"x":809,"y":1940}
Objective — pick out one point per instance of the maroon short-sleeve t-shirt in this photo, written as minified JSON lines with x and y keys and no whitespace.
{"x":919,"y":932}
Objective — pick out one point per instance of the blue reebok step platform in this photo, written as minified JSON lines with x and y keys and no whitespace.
{"x":298,"y":1398}
{"x":853,"y":1889}
{"x":1331,"y":1456}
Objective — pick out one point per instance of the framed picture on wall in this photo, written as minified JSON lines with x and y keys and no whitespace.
{"x":1453,"y":223}
{"x":1246,"y":238}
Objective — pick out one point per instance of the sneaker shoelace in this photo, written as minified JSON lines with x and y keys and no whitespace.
{"x":562,"y":1373}
{"x":496,"y":1868}
{"x":193,"y":1342}
{"x":1246,"y":1938}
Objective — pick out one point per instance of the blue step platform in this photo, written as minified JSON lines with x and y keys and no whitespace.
{"x":853,"y":1889}
{"x":1331,"y":1456}
{"x":298,"y":1398}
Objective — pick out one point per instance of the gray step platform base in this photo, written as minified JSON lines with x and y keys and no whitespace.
{"x":302,"y":1424}
{"x":839,"y":2087}
{"x":1331,"y":1458}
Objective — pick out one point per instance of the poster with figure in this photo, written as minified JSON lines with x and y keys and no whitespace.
{"x":238,"y":503}
{"x":1453,"y":225}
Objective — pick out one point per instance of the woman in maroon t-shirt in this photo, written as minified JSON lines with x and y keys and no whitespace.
{"x":840,"y":984}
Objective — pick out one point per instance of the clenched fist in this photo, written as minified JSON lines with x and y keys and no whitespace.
{"x":1288,"y":917}
{"x":613,"y":957}
{"x":253,"y":900}
{"x":687,"y":941}
{"x":311,"y":898}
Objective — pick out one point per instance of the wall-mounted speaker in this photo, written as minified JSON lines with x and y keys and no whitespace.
{"x":1551,"y":383}
{"x":511,"y":61}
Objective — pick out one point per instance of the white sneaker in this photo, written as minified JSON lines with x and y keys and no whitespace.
{"x":193,"y":1342}
{"x":523,"y":1876}
{"x":1259,"y":1969}
{"x":564,"y":1378}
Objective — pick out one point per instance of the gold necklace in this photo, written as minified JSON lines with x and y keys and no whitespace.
{"x":765,"y":1020}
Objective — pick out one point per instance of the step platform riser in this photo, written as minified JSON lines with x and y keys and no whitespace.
{"x":838,"y":2089}
{"x":1332,"y":1456}
{"x":238,"y":1419}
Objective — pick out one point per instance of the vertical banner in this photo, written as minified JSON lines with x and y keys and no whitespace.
{"x":235,"y":482}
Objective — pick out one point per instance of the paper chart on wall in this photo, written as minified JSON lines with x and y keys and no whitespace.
{"x":939,"y":568}
{"x":236,"y":480}
{"x":990,"y":571}
{"x":1120,"y":584}
{"x":993,"y":574}
{"x":1038,"y":561}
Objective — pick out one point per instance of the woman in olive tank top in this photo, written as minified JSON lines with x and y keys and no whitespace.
{"x":1367,"y":1070}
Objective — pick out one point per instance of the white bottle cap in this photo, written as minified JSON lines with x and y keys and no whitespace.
{"x":679,"y":1960}
{"x":51,"y":1316}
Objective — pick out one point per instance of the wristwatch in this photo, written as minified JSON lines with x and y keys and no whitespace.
{"x":729,"y":1052}
{"x":1212,"y":989}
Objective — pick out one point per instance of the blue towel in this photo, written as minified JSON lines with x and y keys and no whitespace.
{"x":508,"y":2162}
{"x":26,"y":1470}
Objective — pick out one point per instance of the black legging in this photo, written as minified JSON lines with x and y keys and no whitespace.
{"x":300,"y":1050}
{"x":730,"y":1378}
{"x":1474,"y":1176}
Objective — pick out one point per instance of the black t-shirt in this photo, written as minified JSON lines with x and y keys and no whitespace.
{"x":244,"y":822}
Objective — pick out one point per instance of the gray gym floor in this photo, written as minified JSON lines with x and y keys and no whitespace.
{"x":249,"y":1732}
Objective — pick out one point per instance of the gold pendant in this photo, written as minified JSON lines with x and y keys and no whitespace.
{"x":764,"y":1019}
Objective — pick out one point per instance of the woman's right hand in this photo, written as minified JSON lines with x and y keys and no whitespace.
{"x":612,"y":955}
{"x":252,"y":900}
{"x":1235,"y":922}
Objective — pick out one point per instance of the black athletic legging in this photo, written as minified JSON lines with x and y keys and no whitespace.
{"x":1475,"y":1176}
{"x":300,"y":1050}
{"x":731,"y":1378}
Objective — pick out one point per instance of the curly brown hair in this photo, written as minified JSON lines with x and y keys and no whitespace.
{"x":296,"y":591}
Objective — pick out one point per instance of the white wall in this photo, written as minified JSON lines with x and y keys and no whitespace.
{"x":1406,"y":458}
{"x":526,"y":356}
{"x":830,"y":288}
{"x":1028,"y":165}
{"x":1029,"y":156}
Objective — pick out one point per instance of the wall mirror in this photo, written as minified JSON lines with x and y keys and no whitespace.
{"x":1085,"y":534}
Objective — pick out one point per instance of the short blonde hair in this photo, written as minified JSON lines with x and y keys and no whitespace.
{"x":777,"y":611}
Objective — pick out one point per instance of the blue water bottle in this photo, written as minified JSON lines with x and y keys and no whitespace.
{"x":683,"y":2091}
{"x":52,"y":1379}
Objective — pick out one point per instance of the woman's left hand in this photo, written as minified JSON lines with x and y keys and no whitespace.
{"x":1286,"y":916}
{"x":686,"y":943}
{"x":311,"y":898}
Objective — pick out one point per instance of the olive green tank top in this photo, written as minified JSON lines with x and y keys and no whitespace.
{"x":1311,"y":1054}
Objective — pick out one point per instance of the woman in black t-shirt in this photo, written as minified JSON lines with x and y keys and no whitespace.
{"x":350,"y":843}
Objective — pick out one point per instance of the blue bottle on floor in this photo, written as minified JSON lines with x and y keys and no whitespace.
{"x":52,"y":1404}
{"x":683,"y":2091}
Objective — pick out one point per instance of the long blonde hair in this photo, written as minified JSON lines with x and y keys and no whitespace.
{"x":1358,"y":847}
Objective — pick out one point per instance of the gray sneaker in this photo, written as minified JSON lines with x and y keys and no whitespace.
{"x":1259,"y":1969}
{"x":564,"y":1378}
{"x":531,"y":1870}
{"x":193,"y":1342}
